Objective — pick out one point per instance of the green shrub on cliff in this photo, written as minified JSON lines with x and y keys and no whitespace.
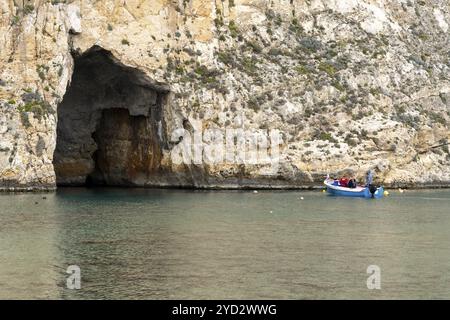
{"x":234,"y":31}
{"x":42,"y":71}
{"x":25,"y":119}
{"x":328,"y":68}
{"x":249,"y":66}
{"x":256,"y":48}
{"x":226,"y":58}
{"x":326,"y":136}
{"x":15,"y":20}
{"x":39,"y":108}
{"x":27,"y":9}
{"x":437,"y":118}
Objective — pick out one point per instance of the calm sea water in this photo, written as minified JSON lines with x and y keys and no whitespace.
{"x":159,"y":244}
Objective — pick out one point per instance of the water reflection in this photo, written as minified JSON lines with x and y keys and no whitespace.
{"x":28,"y":248}
{"x":161,"y":244}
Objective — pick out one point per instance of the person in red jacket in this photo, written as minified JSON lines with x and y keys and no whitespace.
{"x":343,"y":182}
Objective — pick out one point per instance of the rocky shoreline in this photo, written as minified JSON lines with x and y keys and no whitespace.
{"x":40,"y":189}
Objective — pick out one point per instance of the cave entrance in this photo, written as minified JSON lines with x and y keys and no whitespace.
{"x":110,"y":124}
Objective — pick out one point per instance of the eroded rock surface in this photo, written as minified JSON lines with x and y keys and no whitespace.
{"x":100,"y":84}
{"x":350,"y":84}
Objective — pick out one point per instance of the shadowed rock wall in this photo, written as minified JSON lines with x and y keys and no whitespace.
{"x":112,"y":111}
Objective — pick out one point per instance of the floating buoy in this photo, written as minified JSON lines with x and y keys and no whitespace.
{"x":255,"y":191}
{"x":271,"y":211}
{"x":401,"y":190}
{"x":323,"y":191}
{"x":301,"y":198}
{"x":386,"y":193}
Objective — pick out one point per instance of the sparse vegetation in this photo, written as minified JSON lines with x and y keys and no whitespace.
{"x":15,"y":20}
{"x":352,"y":142}
{"x":295,"y":27}
{"x":437,"y":118}
{"x":328,"y":68}
{"x":226,"y":58}
{"x":253,"y":104}
{"x":205,"y":75}
{"x":249,"y":66}
{"x":28,"y":8}
{"x":254,"y":46}
{"x":25,"y":119}
{"x":39,"y":108}
{"x":234,"y":32}
{"x":42,"y":71}
{"x":60,"y":71}
{"x":338,"y":85}
{"x":302,"y":69}
{"x":326,"y":136}
{"x":375,"y":91}
{"x":310,"y":45}
{"x":275,"y":52}
{"x":270,"y":14}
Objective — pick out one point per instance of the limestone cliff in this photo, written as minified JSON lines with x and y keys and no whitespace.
{"x":94,"y":89}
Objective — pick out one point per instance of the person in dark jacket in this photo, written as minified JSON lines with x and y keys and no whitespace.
{"x":352,"y":183}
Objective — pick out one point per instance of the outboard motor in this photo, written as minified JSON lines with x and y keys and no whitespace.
{"x":372,"y":190}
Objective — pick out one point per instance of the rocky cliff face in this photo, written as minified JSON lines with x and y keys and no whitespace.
{"x":93,"y":90}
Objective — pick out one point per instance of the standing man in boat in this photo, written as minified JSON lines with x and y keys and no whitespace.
{"x":369,"y":181}
{"x":369,"y":178}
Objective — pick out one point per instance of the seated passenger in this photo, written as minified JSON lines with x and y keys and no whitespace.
{"x":343,"y":182}
{"x":352,"y":183}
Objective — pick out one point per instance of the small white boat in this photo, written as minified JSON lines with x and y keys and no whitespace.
{"x":334,"y":188}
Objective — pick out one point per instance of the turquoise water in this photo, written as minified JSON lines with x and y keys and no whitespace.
{"x":160,"y":244}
